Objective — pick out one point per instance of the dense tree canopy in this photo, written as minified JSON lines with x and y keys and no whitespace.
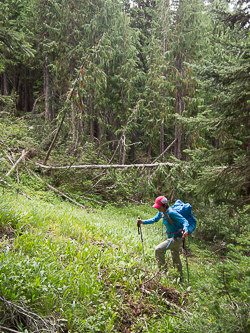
{"x":146,"y":79}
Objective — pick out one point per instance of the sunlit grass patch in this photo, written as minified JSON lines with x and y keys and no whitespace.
{"x":87,"y":269}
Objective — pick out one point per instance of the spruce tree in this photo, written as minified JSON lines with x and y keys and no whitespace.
{"x":225,"y":166}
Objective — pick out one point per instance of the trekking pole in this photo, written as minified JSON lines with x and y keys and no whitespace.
{"x":183,"y":245}
{"x":140,"y":232}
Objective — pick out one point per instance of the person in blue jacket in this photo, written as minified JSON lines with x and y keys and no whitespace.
{"x":176,"y":228}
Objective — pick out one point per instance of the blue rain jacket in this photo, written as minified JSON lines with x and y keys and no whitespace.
{"x":173,"y":229}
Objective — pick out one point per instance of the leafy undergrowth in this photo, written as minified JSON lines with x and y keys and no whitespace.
{"x":67,"y":269}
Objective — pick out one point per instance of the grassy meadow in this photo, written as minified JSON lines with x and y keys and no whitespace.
{"x":66,"y":269}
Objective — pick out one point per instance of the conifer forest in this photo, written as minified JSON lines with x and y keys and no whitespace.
{"x":104,"y":106}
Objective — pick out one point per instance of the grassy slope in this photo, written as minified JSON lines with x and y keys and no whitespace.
{"x":84,"y":269}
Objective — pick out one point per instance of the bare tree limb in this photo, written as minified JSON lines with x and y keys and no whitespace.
{"x":17,"y":175}
{"x":34,"y":105}
{"x":94,"y":166}
{"x":27,"y":196}
{"x":123,"y":137}
{"x":59,"y":192}
{"x":32,"y":320}
{"x":12,"y":162}
{"x":165,"y":150}
{"x":96,"y":183}
{"x":13,"y":167}
{"x":8,"y":329}
{"x":65,"y":196}
{"x":59,"y":127}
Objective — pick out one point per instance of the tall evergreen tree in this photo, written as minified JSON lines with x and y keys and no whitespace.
{"x":226,"y":165}
{"x":108,"y":75}
{"x":178,"y":31}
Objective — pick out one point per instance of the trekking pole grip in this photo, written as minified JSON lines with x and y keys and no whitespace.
{"x":138,"y":225}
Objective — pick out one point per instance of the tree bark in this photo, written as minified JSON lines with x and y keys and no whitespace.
{"x":46,"y":90}
{"x":13,"y":167}
{"x":5,"y":83}
{"x":105,"y":166}
{"x":26,"y":91}
{"x":73,"y":119}
{"x":162,"y":137}
{"x":177,"y":127}
{"x":92,"y":117}
{"x":179,"y":108}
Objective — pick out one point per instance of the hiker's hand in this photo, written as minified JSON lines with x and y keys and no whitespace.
{"x":185,"y":234}
{"x":139,"y":222}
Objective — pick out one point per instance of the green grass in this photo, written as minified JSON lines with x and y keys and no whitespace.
{"x":84,"y":268}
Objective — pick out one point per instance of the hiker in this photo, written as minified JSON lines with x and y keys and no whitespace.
{"x":177,"y":229}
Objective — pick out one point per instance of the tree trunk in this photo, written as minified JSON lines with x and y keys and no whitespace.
{"x":92,"y":118}
{"x":149,"y":150}
{"x":177,"y":128}
{"x":26,"y":91}
{"x":5,"y":83}
{"x":179,"y":108}
{"x":73,"y":108}
{"x":73,"y":119}
{"x":162,"y":138}
{"x":165,"y":27}
{"x":46,"y":89}
{"x":123,"y":153}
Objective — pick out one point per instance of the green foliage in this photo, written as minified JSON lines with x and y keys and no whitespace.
{"x":85,"y":268}
{"x":222,"y":155}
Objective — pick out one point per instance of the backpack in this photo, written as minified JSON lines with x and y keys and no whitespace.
{"x":185,"y":209}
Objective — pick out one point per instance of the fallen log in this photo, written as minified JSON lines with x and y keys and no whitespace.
{"x":108,"y":166}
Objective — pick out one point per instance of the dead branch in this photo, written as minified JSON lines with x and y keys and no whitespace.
{"x":9,"y":158}
{"x":222,"y":248}
{"x":17,"y":175}
{"x":40,"y":145}
{"x":96,"y":183}
{"x":34,"y":105}
{"x":13,"y":167}
{"x":165,"y":150}
{"x":59,"y":192}
{"x":8,"y":329}
{"x":123,"y":138}
{"x":159,"y":272}
{"x":14,"y":312}
{"x":167,"y":302}
{"x":59,"y":127}
{"x":20,"y":192}
{"x":65,"y":196}
{"x":94,"y":166}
